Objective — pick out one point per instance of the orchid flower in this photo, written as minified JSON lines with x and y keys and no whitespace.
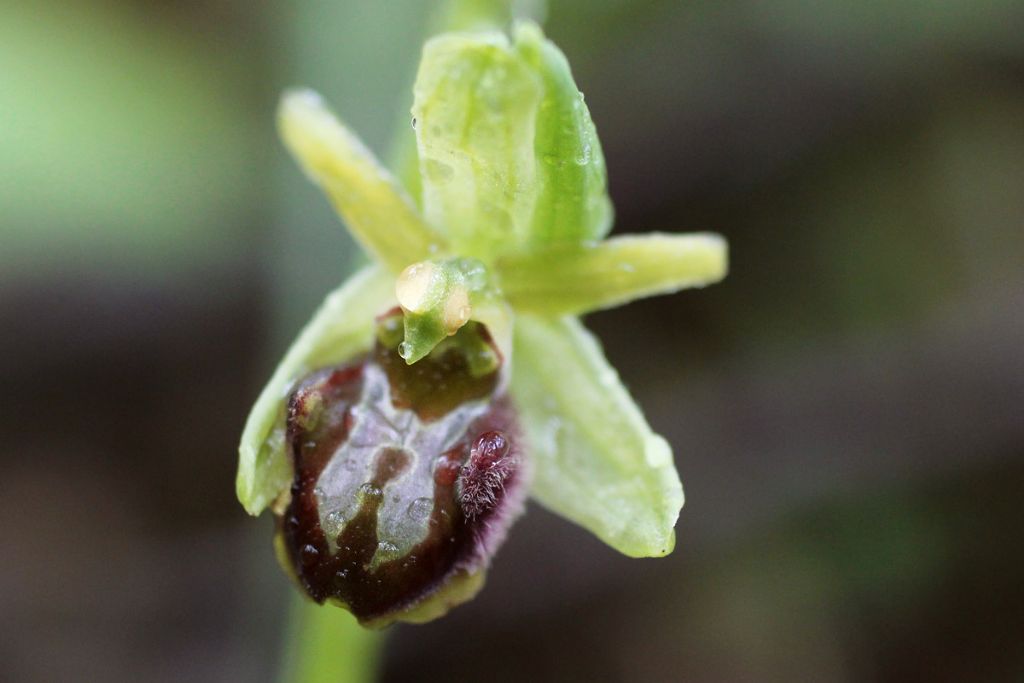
{"x":438,"y":385}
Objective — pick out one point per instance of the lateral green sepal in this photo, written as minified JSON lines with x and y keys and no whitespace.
{"x":595,"y":458}
{"x":340,"y":330}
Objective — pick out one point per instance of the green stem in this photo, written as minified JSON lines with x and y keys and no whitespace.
{"x":325,"y":644}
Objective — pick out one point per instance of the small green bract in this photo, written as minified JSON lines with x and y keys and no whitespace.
{"x":508,"y":231}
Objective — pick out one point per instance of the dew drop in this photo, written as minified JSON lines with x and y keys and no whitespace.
{"x":420,"y":509}
{"x":309,"y":554}
{"x":475,"y":274}
{"x":336,"y":519}
{"x":368,"y":490}
{"x":414,"y":123}
{"x":583,"y":157}
{"x":405,"y":350}
{"x":439,"y":171}
{"x":608,"y":378}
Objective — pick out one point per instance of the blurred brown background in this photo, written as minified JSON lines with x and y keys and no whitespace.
{"x":847,"y":408}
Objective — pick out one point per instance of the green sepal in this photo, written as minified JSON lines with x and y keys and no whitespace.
{"x":474,"y":105}
{"x":579,"y":278}
{"x":509,"y":158}
{"x":462,"y":16}
{"x":340,"y":330}
{"x":572,"y":203}
{"x":596,"y":460}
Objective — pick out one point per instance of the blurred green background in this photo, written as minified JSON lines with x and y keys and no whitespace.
{"x":847,"y":408}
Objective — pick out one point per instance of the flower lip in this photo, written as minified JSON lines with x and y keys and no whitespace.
{"x":383,"y":526}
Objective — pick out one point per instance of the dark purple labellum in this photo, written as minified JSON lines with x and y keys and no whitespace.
{"x":406,"y":478}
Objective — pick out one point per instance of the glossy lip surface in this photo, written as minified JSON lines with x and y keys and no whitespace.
{"x":378,"y":518}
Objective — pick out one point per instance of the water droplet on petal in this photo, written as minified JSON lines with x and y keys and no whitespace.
{"x":583,"y":157}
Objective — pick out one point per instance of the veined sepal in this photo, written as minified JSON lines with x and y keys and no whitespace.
{"x":597,"y":461}
{"x":509,"y":158}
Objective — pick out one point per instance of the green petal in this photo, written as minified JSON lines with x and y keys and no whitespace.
{"x":575,"y":279}
{"x":596,"y":460}
{"x":572,"y":204}
{"x":340,"y":330}
{"x":376,"y":210}
{"x":475,"y":105}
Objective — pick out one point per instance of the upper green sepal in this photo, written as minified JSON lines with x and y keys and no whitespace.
{"x":509,"y":158}
{"x":572,"y":203}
